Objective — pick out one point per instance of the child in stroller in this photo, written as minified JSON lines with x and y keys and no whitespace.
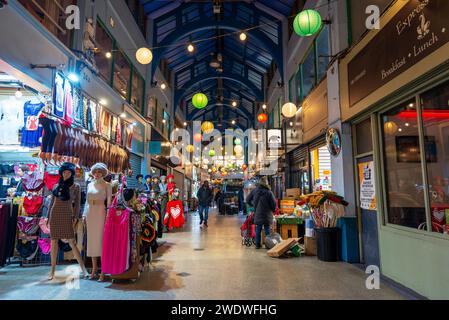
{"x":248,"y":231}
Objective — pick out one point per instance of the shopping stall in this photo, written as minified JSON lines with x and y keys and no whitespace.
{"x":45,"y":128}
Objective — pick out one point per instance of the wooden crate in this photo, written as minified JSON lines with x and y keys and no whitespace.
{"x":289,"y":231}
{"x":310,"y":246}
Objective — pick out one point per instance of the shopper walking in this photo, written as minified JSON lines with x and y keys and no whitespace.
{"x":205,"y":196}
{"x":264,"y":203}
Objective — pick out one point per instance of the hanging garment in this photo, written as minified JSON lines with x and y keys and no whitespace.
{"x":33,"y":181}
{"x":95,"y":212}
{"x":44,"y":245}
{"x":11,"y":115}
{"x":94,"y":114}
{"x":27,"y":249}
{"x":28,"y":225}
{"x":11,"y":232}
{"x":50,"y":131}
{"x":116,"y":242}
{"x":174,"y":216}
{"x":50,"y":180}
{"x":32,"y":204}
{"x":32,"y":130}
{"x":43,"y":225}
{"x":4,"y":213}
{"x":59,"y":96}
{"x":68,"y":103}
{"x":86,"y":113}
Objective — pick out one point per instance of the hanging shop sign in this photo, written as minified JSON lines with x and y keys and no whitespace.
{"x":333,"y":141}
{"x":416,"y":31}
{"x":274,"y":139}
{"x":315,"y":113}
{"x":367,"y":186}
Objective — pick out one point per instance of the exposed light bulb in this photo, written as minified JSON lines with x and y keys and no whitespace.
{"x":163,"y":86}
{"x":19,"y":93}
{"x":234,"y":103}
{"x":264,"y":106}
{"x":243,"y":36}
{"x":73,"y":77}
{"x":190,"y":48}
{"x":108,"y":55}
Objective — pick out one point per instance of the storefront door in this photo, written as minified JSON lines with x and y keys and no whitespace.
{"x":368,"y":217}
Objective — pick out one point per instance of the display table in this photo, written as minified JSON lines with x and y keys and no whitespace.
{"x":290,"y":227}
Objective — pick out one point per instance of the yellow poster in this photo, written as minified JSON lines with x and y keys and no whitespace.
{"x":367,"y":186}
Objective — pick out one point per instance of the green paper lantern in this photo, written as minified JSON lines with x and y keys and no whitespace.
{"x":238,"y":142}
{"x":307,"y":23}
{"x":200,"y":100}
{"x":212,"y":153}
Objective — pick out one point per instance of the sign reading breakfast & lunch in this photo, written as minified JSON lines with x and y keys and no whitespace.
{"x":417,"y":30}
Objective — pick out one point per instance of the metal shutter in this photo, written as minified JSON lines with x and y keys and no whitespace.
{"x":136,"y":166}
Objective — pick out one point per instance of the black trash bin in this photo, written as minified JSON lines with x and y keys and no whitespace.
{"x":328,"y":244}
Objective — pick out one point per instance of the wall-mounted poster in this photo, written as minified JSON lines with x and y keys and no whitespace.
{"x":367,"y":186}
{"x":274,"y":139}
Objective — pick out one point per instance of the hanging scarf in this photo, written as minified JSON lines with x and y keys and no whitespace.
{"x":62,"y":189}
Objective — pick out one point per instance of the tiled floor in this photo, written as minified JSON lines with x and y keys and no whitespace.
{"x":212,"y":264}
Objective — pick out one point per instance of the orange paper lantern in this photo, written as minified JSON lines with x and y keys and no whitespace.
{"x":262,"y":118}
{"x":198,"y":137}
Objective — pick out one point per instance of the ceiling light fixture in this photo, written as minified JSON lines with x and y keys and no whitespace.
{"x":163,"y":86}
{"x":243,"y":36}
{"x":190,"y":48}
{"x":234,"y":104}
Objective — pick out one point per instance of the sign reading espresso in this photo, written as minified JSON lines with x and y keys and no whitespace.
{"x":417,"y":30}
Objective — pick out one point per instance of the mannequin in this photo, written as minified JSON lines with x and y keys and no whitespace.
{"x":155,"y":184}
{"x":140,"y":185}
{"x":148,"y":183}
{"x":64,"y":207}
{"x":171,"y":185}
{"x":99,"y":196}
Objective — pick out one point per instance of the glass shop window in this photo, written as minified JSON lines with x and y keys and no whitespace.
{"x":122,"y":74}
{"x":298,"y":85}
{"x":435,"y":114}
{"x":137,"y":94}
{"x":320,"y":160}
{"x":308,"y":73}
{"x":323,"y":52}
{"x":403,"y":172}
{"x":103,"y":55}
{"x":364,"y":138}
{"x":291,"y":88}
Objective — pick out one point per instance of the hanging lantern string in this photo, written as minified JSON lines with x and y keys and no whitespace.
{"x":272,"y":23}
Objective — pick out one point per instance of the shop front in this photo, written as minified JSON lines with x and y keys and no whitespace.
{"x":42,"y":129}
{"x":310,"y":163}
{"x":398,"y":108}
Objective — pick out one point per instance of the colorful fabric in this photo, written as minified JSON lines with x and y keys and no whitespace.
{"x":174,"y":215}
{"x":32,"y":131}
{"x":32,"y":204}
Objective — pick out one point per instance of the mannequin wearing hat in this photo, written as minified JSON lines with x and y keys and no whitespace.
{"x":99,"y":196}
{"x":155,"y":184}
{"x":140,"y":185}
{"x":63,"y":210}
{"x":148,"y":182}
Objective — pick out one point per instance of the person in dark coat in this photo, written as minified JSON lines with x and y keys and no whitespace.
{"x":264,"y":203}
{"x":219,"y":200}
{"x":205,"y":196}
{"x":241,"y":201}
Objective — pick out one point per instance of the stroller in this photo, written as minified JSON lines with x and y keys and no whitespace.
{"x":248,"y":231}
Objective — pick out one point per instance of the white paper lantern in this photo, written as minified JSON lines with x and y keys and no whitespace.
{"x":289,"y":110}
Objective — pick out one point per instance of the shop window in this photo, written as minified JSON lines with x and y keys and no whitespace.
{"x":298,"y":85}
{"x":51,"y":14}
{"x":308,"y":73}
{"x":320,"y":159}
{"x":122,"y":74}
{"x":291,"y":84}
{"x":137,"y":93}
{"x":435,"y":114}
{"x":323,"y":52}
{"x":403,"y":170}
{"x":364,"y":138}
{"x":166,"y":125}
{"x":103,"y":54}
